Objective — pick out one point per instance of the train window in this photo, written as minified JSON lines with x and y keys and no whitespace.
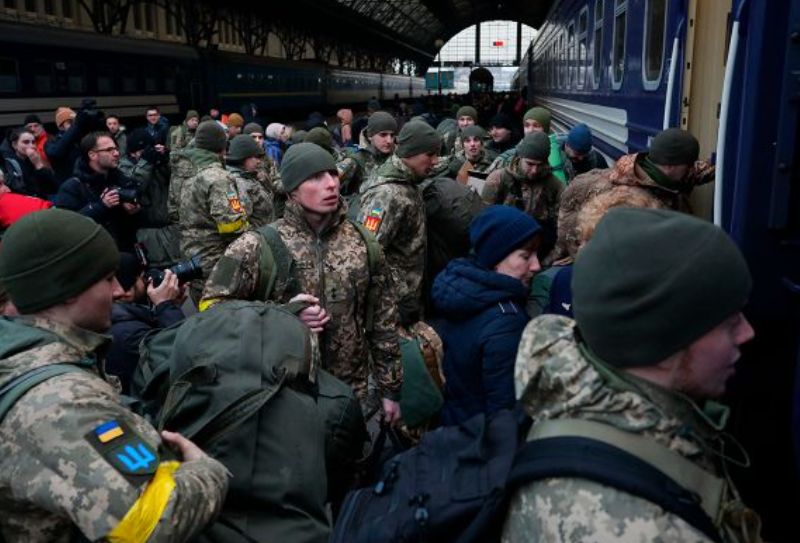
{"x":583,"y":41}
{"x":105,"y":79}
{"x":130,"y":83}
{"x":570,"y":52}
{"x":653,"y":54}
{"x":9,"y":79}
{"x":70,"y":77}
{"x":618,"y":49}
{"x":561,"y":62}
{"x":43,"y":82}
{"x":597,"y":63}
{"x":66,"y":9}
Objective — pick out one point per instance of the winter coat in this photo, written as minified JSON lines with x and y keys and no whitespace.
{"x":23,"y":178}
{"x":82,"y":194}
{"x":129,"y":324}
{"x":484,"y":319}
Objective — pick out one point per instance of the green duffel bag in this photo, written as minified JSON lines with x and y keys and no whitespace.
{"x":162,"y":245}
{"x":420,"y":399}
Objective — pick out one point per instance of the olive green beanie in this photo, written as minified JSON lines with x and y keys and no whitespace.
{"x":302,"y":161}
{"x":534,"y":146}
{"x":674,"y":146}
{"x":210,"y":136}
{"x":651,"y":282}
{"x":417,"y":138}
{"x":380,"y":121}
{"x":242,"y":147}
{"x":320,"y":136}
{"x":541,"y":116}
{"x":473,"y":131}
{"x":467,"y":111}
{"x":192,"y":114}
{"x":253,"y":128}
{"x":53,"y":255}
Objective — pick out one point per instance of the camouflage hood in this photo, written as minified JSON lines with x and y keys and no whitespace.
{"x":555,"y":378}
{"x":201,"y":157}
{"x":394,"y":170}
{"x":30,"y":342}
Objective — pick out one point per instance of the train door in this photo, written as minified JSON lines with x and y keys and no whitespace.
{"x":704,"y":74}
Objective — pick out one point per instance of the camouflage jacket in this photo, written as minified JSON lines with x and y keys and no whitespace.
{"x":392,"y":208}
{"x":180,"y":137}
{"x":626,"y":172}
{"x":182,"y":168}
{"x":370,"y":160}
{"x":256,"y":197}
{"x":555,"y":380}
{"x":539,"y":199}
{"x":153,"y":180}
{"x":351,"y":174}
{"x":57,"y":476}
{"x":332,"y":266}
{"x":211,"y":212}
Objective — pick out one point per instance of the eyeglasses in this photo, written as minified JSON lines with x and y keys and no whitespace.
{"x":106,"y":150}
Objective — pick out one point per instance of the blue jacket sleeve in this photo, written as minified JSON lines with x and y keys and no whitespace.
{"x":499,"y":352}
{"x":60,"y":148}
{"x":168,"y":313}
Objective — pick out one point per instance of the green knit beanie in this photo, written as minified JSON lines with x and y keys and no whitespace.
{"x":53,"y":255}
{"x":253,"y":128}
{"x":467,"y":111}
{"x":534,"y":146}
{"x":541,"y":116}
{"x":674,"y":146}
{"x":192,"y":114}
{"x":302,"y":161}
{"x":242,"y":147}
{"x":473,"y":131}
{"x":380,"y":121}
{"x":417,"y":138}
{"x":651,"y":282}
{"x":320,"y":136}
{"x":210,"y":136}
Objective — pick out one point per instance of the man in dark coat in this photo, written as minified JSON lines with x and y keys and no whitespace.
{"x":95,"y":190}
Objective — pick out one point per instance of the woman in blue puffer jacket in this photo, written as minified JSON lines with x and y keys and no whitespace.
{"x":482,"y":299}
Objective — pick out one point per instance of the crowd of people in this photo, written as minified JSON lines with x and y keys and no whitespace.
{"x":520,"y":269}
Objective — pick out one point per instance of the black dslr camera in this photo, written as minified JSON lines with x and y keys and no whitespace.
{"x":90,"y":118}
{"x":187,"y":270}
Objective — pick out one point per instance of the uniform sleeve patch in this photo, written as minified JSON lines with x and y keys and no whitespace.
{"x":234,"y":201}
{"x":125,"y":450}
{"x":373,"y":219}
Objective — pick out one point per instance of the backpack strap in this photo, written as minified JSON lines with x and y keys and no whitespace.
{"x":19,"y":386}
{"x":17,"y":184}
{"x":373,"y":258}
{"x":275,"y":262}
{"x":595,"y":451}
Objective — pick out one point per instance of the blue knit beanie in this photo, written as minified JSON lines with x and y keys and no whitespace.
{"x":580,"y":138}
{"x":498,"y":231}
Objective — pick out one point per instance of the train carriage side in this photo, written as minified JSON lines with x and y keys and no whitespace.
{"x":347,"y":87}
{"x":391,"y":85}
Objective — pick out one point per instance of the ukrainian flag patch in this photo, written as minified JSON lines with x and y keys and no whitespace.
{"x":373,"y":220}
{"x":108,"y":431}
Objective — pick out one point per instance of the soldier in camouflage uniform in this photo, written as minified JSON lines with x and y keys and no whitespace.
{"x":636,"y":384}
{"x":349,"y":169}
{"x":453,"y":141}
{"x":242,"y":161}
{"x":267,"y":170}
{"x":670,"y":172}
{"x":211,"y":213}
{"x":380,"y":131}
{"x":149,"y":166}
{"x":472,"y":156}
{"x":392,"y":208}
{"x":74,"y":461}
{"x":529,"y":185}
{"x":330,"y":271}
{"x":180,"y":136}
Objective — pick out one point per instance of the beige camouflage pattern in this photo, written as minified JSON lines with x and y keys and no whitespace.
{"x":540,"y":199}
{"x":370,"y":160}
{"x":393,"y":194}
{"x":52,"y":481}
{"x":626,"y":172}
{"x":180,"y":137}
{"x":182,"y":169}
{"x":554,"y":380}
{"x":256,"y":197}
{"x":211,"y":214}
{"x":333,"y":267}
{"x":351,"y":174}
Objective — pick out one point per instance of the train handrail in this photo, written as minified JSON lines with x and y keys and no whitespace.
{"x":727,"y":88}
{"x":673,"y":69}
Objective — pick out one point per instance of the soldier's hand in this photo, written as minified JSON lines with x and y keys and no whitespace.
{"x":314,"y":316}
{"x":188,"y":450}
{"x":169,"y":289}
{"x":110,"y":198}
{"x":131,"y":208}
{"x":391,"y":410}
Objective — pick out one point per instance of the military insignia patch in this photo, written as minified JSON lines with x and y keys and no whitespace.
{"x":125,"y":450}
{"x":341,"y":169}
{"x":234,"y":201}
{"x":373,"y":220}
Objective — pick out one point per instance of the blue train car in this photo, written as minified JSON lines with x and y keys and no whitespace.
{"x":728,"y":71}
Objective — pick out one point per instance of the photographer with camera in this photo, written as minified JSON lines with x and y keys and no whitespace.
{"x":63,"y":151}
{"x":101,"y":192}
{"x":148,"y":304}
{"x":148,"y":164}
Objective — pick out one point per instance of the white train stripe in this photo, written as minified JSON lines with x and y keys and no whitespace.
{"x":607,"y":123}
